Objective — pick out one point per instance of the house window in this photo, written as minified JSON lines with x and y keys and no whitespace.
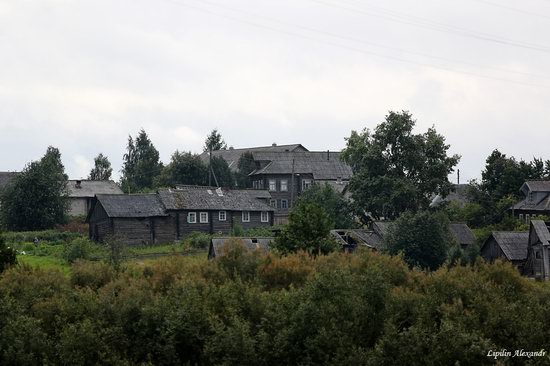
{"x":284,"y":204}
{"x":192,"y":217}
{"x":284,"y":185}
{"x":265,"y":216}
{"x":521,"y":217}
{"x":530,"y":196}
{"x":246,"y":216}
{"x":203,"y":217}
{"x":273,"y":203}
{"x":306,"y":183}
{"x":272,"y":185}
{"x":222,"y":215}
{"x":527,"y":218}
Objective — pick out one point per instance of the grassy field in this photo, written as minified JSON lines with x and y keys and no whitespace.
{"x":46,"y":262}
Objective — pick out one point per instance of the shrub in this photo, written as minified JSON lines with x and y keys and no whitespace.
{"x":77,"y":249}
{"x":51,"y":236}
{"x":198,"y":240}
{"x":8,"y":256}
{"x":91,"y":274}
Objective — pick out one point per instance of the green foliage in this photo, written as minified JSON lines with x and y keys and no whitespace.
{"x":141,"y":164}
{"x":245,"y":166}
{"x":8,"y":256}
{"x":184,"y":168}
{"x":396,"y":170}
{"x":308,"y":229}
{"x":214,"y":141}
{"x":78,"y":249}
{"x":334,"y":204}
{"x":222,"y":173}
{"x":37,"y":197}
{"x":424,"y":239}
{"x":45,"y":236}
{"x":116,"y":249}
{"x":198,"y":240}
{"x":339,"y":309}
{"x":237,"y":230}
{"x":102,"y":168}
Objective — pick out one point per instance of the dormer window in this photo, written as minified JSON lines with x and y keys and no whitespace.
{"x":530,"y":196}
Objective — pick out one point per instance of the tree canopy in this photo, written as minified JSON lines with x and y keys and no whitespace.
{"x":184,"y":168}
{"x":222,"y":172}
{"x":334,"y":203}
{"x":37,"y":198}
{"x":141,"y":163}
{"x":214,"y":141}
{"x":102,"y":168}
{"x":396,"y":170}
{"x":424,"y":238}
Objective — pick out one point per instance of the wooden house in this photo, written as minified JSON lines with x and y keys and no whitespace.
{"x":82,"y":192}
{"x":537,"y":264}
{"x":508,"y":246}
{"x":536,"y":202}
{"x":463,"y":234}
{"x":173,"y":214}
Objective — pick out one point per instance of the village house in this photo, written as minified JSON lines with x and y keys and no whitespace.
{"x":173,"y":214}
{"x":458,"y":195}
{"x":536,"y":202}
{"x":288,"y":170}
{"x":537,"y":264}
{"x":82,"y":192}
{"x":509,"y":246}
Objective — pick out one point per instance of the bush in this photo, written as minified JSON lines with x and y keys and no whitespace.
{"x":198,"y":240}
{"x":51,"y":236}
{"x":91,"y":274}
{"x":8,"y":256}
{"x":78,"y":249}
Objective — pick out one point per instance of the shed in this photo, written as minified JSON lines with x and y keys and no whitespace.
{"x":462,"y":233}
{"x":509,"y":246}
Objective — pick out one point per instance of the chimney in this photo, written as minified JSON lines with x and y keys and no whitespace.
{"x":230,"y":147}
{"x":78,"y":184}
{"x":274,"y":144}
{"x":328,"y":154}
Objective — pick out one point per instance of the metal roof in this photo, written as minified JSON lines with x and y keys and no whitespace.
{"x":514,"y":244}
{"x":89,"y":188}
{"x":132,"y":205}
{"x":203,"y":198}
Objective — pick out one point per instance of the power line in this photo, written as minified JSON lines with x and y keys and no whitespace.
{"x":352,"y":39}
{"x":432,"y":25}
{"x":397,"y":59}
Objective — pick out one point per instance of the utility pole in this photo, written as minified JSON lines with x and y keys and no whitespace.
{"x":292,"y":186}
{"x":458,"y":176}
{"x":210,"y":165}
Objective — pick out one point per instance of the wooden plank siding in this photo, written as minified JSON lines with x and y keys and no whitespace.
{"x":491,"y":251}
{"x":100,"y":224}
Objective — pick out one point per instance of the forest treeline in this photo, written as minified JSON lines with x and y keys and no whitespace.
{"x":251,"y":309}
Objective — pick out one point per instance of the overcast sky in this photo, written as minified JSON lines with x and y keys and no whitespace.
{"x":82,"y":75}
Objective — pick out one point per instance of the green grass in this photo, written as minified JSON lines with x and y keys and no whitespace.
{"x":45,"y":262}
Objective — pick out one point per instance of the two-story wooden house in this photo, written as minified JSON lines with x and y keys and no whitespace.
{"x":536,"y":202}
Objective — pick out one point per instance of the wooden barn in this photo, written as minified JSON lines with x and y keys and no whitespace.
{"x":538,"y":253}
{"x":173,"y":214}
{"x":507,"y":246}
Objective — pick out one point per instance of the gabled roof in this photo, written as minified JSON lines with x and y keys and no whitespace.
{"x":90,"y":188}
{"x":6,"y":178}
{"x":458,"y":194}
{"x":462,"y":233}
{"x":132,"y":205}
{"x":541,"y":204}
{"x":232,"y":156}
{"x":203,"y":198}
{"x":536,"y":186}
{"x":540,"y":228}
{"x":217,"y":245}
{"x":359,"y":236}
{"x":514,"y":244}
{"x":381,"y":227}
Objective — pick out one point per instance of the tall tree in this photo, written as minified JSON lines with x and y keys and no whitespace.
{"x":184,"y":168}
{"x":102,"y":168}
{"x":141,"y":164}
{"x":245,"y":166}
{"x":37,"y":198}
{"x":396,"y":170}
{"x":334,"y":203}
{"x":214,"y":141}
{"x":424,"y":238}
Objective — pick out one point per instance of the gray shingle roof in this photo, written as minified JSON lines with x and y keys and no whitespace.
{"x":232,"y":156}
{"x":458,"y":194}
{"x":538,"y":185}
{"x":89,"y":188}
{"x":462,"y":233}
{"x":542,"y":204}
{"x":513,"y":244}
{"x":202,"y":198}
{"x":541,"y":230}
{"x":6,"y":178}
{"x":322,"y":165}
{"x":361,"y":236}
{"x":132,"y":205}
{"x":217,"y":245}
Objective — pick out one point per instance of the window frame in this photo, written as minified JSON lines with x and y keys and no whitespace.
{"x":273,"y":203}
{"x":191,"y":214}
{"x":248,"y":216}
{"x":274,"y":181}
{"x":285,"y":185}
{"x":285,"y":206}
{"x":224,"y":216}
{"x":307,"y":182}
{"x":266,"y":216}
{"x":200,"y":217}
